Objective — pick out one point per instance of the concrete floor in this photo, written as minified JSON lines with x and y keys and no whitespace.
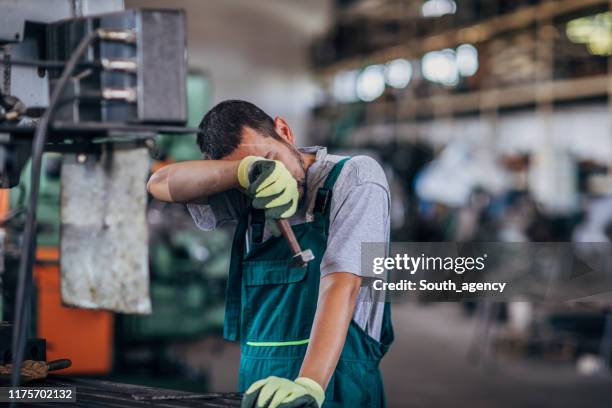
{"x":428,"y":367}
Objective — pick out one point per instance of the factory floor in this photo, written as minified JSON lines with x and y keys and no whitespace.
{"x":427,"y":366}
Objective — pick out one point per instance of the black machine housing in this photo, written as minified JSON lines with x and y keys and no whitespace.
{"x":158,"y":81}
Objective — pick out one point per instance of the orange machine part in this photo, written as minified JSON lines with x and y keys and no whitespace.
{"x":83,"y":336}
{"x":4,"y":202}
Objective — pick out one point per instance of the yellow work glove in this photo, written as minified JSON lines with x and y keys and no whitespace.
{"x":270,"y":185}
{"x":274,"y":392}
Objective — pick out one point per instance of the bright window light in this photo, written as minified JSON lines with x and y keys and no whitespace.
{"x":594,"y":31}
{"x":467,"y":59}
{"x":371,"y":83}
{"x":438,"y":8}
{"x":398,"y":73}
{"x":441,"y":67}
{"x":345,"y":86}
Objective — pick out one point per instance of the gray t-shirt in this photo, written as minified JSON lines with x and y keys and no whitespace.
{"x":359,"y":213}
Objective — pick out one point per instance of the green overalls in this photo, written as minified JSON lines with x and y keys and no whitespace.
{"x":270,"y":308}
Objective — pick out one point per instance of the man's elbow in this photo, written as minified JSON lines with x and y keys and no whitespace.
{"x":157,"y":186}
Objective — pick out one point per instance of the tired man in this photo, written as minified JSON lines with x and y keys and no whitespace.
{"x":310,"y":336}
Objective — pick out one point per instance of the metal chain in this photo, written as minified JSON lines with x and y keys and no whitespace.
{"x":6,"y":69}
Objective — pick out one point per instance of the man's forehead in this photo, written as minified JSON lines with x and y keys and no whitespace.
{"x":255,"y":142}
{"x":250,"y":134}
{"x":251,"y":145}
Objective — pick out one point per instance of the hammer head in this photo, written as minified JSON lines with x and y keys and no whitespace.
{"x":301,"y":258}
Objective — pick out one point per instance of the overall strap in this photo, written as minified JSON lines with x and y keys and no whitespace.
{"x":322,"y":205}
{"x":258,"y":221}
{"x":233,"y":290}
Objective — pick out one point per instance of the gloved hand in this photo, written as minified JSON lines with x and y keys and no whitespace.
{"x":270,"y":185}
{"x":274,"y":392}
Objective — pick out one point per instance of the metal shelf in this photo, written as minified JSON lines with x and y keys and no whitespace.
{"x":501,"y":98}
{"x":473,"y":34}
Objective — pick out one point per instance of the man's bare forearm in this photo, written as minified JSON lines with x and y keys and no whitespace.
{"x":193,"y":181}
{"x":337,"y":296}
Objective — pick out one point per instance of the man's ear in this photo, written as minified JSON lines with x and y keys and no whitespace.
{"x":283,"y":129}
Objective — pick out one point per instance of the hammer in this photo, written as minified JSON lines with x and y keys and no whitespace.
{"x":300,"y":258}
{"x":33,"y":370}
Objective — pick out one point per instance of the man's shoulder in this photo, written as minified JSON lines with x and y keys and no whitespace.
{"x":362,"y":169}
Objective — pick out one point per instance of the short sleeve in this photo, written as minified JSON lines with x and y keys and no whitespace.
{"x":221,"y":209}
{"x":359,"y":213}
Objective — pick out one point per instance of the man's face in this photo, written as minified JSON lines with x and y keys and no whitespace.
{"x":254,"y":143}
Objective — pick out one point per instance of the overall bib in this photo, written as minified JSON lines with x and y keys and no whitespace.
{"x":270,"y":308}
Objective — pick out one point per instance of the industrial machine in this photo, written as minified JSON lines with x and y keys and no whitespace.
{"x":95,"y":84}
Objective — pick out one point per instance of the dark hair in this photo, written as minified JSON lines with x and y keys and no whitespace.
{"x":221,"y":128}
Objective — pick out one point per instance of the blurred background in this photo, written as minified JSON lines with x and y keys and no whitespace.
{"x":492,"y":120}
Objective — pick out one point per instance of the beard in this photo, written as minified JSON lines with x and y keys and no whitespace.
{"x":301,"y":178}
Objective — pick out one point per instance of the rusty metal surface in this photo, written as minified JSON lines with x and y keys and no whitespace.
{"x":104,"y":243}
{"x":96,"y":393}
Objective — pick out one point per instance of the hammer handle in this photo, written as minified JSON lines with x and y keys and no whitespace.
{"x":287,"y":231}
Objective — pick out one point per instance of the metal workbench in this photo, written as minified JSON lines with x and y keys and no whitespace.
{"x":97,"y":393}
